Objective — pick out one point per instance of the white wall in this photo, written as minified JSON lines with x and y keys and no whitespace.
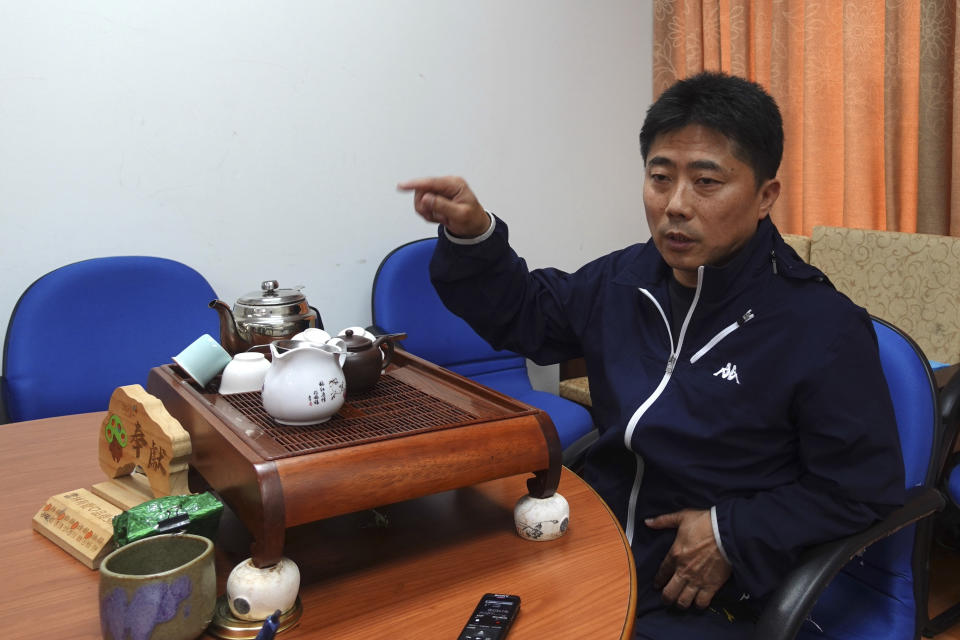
{"x":264,"y":140}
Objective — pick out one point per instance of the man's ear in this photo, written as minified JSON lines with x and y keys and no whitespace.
{"x":769,"y":192}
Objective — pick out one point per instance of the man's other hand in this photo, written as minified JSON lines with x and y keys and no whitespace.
{"x":694,"y":569}
{"x":448,"y":201}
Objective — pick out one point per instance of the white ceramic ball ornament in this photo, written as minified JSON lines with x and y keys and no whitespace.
{"x":541,"y":519}
{"x":254,"y":594}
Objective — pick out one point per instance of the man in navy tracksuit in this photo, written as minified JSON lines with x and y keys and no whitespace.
{"x":742,"y":410}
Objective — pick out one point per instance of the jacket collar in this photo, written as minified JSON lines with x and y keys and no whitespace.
{"x":766,"y":250}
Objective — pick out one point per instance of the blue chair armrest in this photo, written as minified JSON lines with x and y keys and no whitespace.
{"x":792,"y":602}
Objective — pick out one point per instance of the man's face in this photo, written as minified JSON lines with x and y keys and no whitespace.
{"x":702,"y":202}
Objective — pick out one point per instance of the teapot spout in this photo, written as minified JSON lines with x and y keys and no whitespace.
{"x":229,"y":336}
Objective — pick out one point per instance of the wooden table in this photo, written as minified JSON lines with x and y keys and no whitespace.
{"x":419,"y":576}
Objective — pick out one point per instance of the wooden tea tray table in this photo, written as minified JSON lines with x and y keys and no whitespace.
{"x":421,"y":430}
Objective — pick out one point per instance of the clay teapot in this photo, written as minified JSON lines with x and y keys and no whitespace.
{"x":366,"y":359}
{"x":261,"y":317}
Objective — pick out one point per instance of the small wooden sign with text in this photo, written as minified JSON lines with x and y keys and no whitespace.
{"x":80,"y":523}
{"x":144,"y":451}
{"x":139,"y":436}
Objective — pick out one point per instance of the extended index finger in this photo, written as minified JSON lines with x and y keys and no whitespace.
{"x":447,"y":186}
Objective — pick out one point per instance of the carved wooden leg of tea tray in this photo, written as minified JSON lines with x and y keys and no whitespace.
{"x":264,"y":515}
{"x":543,"y":514}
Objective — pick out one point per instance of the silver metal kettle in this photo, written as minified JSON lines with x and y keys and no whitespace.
{"x":261,"y":317}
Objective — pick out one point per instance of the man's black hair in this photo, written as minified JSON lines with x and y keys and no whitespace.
{"x":738,"y":109}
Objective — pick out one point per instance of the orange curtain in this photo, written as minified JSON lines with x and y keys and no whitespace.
{"x":867,"y":89}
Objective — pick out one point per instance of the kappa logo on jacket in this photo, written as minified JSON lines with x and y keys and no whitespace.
{"x":728,"y":372}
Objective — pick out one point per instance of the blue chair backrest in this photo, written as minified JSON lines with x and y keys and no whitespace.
{"x":888,"y":567}
{"x":404,"y":300}
{"x":84,"y":329}
{"x":914,"y":396}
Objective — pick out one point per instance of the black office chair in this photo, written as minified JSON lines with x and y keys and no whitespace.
{"x":874,"y":584}
{"x":84,"y":329}
{"x":950,"y":486}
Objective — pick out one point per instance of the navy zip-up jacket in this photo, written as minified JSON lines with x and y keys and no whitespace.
{"x":770,"y":405}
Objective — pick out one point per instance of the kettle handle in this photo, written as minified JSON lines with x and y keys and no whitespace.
{"x":319,"y":319}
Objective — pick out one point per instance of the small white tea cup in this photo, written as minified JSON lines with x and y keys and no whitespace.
{"x":245,"y":373}
{"x":317,"y":336}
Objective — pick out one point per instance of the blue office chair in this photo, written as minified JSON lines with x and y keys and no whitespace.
{"x":874,"y":584}
{"x":82,"y":330}
{"x":404,"y":300}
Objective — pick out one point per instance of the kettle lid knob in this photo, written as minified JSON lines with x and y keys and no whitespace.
{"x":268,"y":286}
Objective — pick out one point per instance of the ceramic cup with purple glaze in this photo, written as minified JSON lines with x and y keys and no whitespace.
{"x":159,"y":588}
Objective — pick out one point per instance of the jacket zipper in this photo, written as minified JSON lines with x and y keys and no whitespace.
{"x":723,"y":334}
{"x":671,"y":365}
{"x":642,"y":409}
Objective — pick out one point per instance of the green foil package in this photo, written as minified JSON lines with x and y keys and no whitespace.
{"x":199,"y":514}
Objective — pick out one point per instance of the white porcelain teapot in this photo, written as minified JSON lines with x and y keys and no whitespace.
{"x":305,"y":382}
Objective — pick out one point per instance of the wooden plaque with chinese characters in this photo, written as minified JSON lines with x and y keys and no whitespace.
{"x":137,"y":437}
{"x":80,"y":523}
